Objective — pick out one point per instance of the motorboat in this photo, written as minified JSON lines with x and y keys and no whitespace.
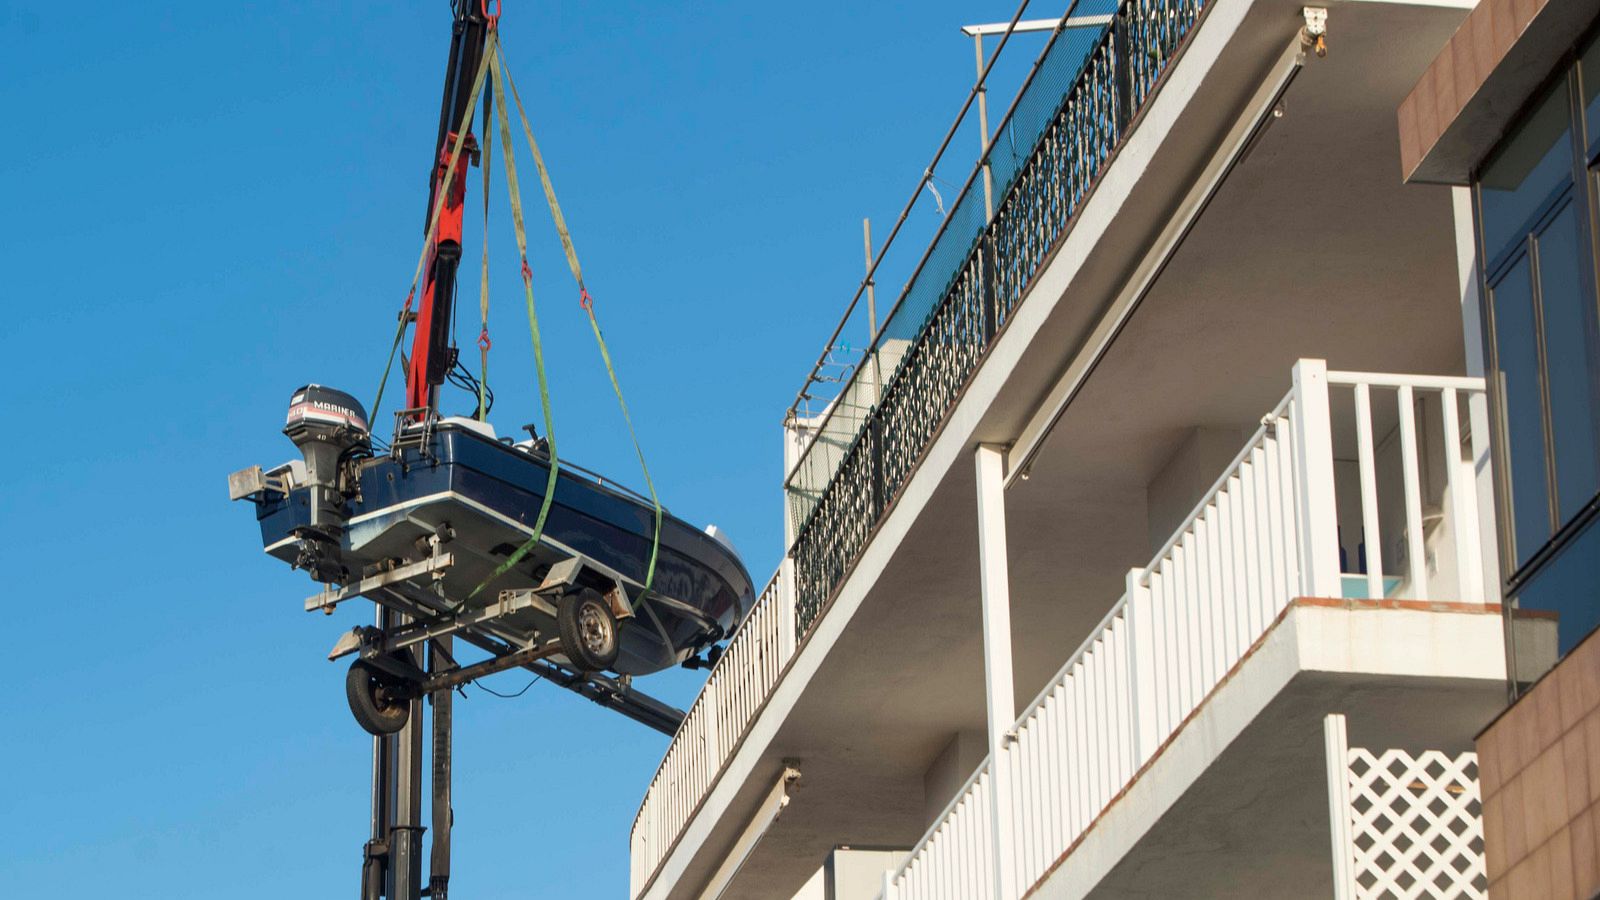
{"x":439,"y":527}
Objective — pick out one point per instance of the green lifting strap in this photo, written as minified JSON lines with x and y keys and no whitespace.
{"x":533,"y":321}
{"x":483,"y":278}
{"x":588,"y":305}
{"x":433,"y":224}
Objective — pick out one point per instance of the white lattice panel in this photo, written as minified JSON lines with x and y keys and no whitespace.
{"x":1416,"y":827}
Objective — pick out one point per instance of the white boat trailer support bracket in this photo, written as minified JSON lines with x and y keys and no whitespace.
{"x":327,"y":599}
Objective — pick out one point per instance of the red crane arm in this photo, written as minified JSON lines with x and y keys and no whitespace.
{"x":431,"y":354}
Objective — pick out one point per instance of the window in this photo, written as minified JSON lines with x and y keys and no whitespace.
{"x":1571,"y":349}
{"x":1564,"y":587}
{"x":1536,"y":215}
{"x":1516,"y":343}
{"x":1589,"y":70}
{"x":1525,"y":173}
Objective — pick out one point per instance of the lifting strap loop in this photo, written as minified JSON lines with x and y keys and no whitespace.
{"x":433,"y":218}
{"x":399,"y":335}
{"x":483,"y":279}
{"x":585,"y":300}
{"x":533,"y":320}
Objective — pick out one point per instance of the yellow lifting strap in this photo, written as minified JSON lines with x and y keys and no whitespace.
{"x":585,"y":300}
{"x":433,"y":223}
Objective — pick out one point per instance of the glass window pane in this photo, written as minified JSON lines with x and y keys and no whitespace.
{"x":1590,"y":65}
{"x":1525,"y":172}
{"x":1518,"y":357}
{"x":1567,"y":587}
{"x":1570,"y":345}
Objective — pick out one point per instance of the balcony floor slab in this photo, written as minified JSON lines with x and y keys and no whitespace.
{"x":1236,"y":803}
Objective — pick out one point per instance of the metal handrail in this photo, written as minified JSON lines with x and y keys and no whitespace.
{"x":927,"y":174}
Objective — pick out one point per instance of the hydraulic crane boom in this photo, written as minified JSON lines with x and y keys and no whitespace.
{"x":431,"y":353}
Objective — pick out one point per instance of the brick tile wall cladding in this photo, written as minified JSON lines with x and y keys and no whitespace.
{"x":1539,"y":767}
{"x":1485,"y":35}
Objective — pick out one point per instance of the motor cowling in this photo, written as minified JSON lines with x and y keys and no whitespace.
{"x":326,"y":425}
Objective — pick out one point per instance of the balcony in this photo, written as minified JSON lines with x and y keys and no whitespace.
{"x":856,"y":711}
{"x":858,"y":453}
{"x":1080,"y":99}
{"x":1340,"y":543}
{"x":1247,"y":627}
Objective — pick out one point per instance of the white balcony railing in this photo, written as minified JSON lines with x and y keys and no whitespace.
{"x":734,"y":692}
{"x":1267,"y":532}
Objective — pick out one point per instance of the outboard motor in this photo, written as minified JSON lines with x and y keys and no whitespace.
{"x":326,"y":425}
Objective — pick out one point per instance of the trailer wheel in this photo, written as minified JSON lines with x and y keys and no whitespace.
{"x":588,"y":630}
{"x":373,"y":699}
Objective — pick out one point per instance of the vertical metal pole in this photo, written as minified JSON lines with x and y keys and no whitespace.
{"x":872,"y":315}
{"x":983,"y":132}
{"x":443,"y":760}
{"x":375,"y":855}
{"x":1122,"y":67}
{"x":872,"y":300}
{"x":405,"y":841}
{"x":995,"y":584}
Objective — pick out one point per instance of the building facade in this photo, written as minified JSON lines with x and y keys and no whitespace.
{"x":1151,"y":545}
{"x":1511,"y":110}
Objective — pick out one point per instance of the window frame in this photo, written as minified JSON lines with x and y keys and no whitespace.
{"x":1583,"y":189}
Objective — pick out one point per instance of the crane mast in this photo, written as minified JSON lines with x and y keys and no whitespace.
{"x":431,"y":354}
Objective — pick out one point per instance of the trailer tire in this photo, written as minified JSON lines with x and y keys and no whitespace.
{"x":366,"y":687}
{"x":588,"y":630}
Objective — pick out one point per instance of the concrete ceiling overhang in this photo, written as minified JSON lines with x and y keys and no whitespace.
{"x":1480,"y":82}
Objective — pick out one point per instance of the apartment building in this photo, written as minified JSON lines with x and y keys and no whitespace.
{"x":1150,"y":546}
{"x":1510,"y":111}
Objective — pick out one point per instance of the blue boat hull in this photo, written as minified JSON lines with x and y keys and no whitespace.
{"x":485,"y":496}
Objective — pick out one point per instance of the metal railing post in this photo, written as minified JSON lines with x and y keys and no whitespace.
{"x":874,"y":437}
{"x":989,"y":285}
{"x":1122,"y":63}
{"x":1313,"y":450}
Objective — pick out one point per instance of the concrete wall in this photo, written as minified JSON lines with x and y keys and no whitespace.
{"x":858,"y":874}
{"x":950,"y":770}
{"x":1188,"y":474}
{"x":852,"y":874}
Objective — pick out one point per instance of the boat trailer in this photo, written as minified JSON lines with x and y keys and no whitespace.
{"x":406,"y":660}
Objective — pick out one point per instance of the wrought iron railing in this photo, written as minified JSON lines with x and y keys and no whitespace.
{"x":1036,"y":201}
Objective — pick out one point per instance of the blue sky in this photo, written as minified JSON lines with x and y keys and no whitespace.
{"x":211,"y":204}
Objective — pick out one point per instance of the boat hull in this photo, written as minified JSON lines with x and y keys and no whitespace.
{"x":482,"y":498}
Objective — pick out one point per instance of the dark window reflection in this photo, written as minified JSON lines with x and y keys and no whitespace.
{"x":1569,"y":587}
{"x":1569,"y":338}
{"x":1515,"y":337}
{"x":1526,"y":172}
{"x":1590,"y":66}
